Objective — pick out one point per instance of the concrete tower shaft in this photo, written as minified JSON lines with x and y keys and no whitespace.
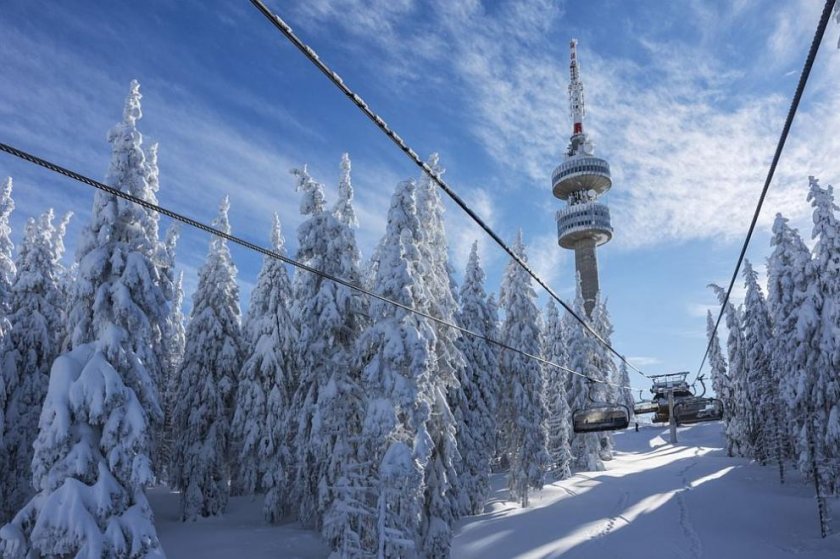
{"x":586,"y":265}
{"x":579,"y":180}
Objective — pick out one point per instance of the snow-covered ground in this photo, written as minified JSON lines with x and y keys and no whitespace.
{"x":240,"y":534}
{"x":655,"y":500}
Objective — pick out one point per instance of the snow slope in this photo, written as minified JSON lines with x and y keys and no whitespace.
{"x":687,"y":501}
{"x":657,"y":500}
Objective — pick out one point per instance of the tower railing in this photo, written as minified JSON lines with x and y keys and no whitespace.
{"x":581,"y":166}
{"x":583,"y":217}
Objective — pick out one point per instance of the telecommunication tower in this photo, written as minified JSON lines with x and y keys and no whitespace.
{"x":579,"y":180}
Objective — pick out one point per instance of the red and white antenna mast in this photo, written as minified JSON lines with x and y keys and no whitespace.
{"x":576,"y":108}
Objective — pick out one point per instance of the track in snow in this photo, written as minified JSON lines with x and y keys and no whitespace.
{"x":695,"y":546}
{"x":619,"y":507}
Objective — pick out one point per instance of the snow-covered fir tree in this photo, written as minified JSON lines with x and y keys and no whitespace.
{"x":762,"y":392}
{"x":443,"y":503}
{"x":7,"y":274}
{"x":818,"y":390}
{"x":524,"y":377}
{"x":93,"y":447}
{"x":786,"y":269}
{"x":344,"y":211}
{"x":604,"y":370}
{"x":172,"y":338}
{"x":265,"y":386}
{"x":717,"y":362}
{"x":174,"y":342}
{"x":342,"y":405}
{"x":206,"y":383}
{"x":36,"y":313}
{"x":736,"y":425}
{"x":328,"y":403}
{"x":721,"y":384}
{"x":396,"y":354}
{"x":475,"y":414}
{"x":624,"y":393}
{"x":7,"y":264}
{"x":585,"y":447}
{"x":557,"y":404}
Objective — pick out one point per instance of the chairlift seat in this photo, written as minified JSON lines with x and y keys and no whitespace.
{"x":698,"y":410}
{"x":598,"y":418}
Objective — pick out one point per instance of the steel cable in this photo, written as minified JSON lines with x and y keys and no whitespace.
{"x":313,"y":57}
{"x":266,"y":252}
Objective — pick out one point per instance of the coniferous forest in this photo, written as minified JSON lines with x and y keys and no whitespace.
{"x":366,"y":421}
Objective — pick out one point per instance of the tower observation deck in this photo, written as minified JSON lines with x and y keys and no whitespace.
{"x":579,"y":180}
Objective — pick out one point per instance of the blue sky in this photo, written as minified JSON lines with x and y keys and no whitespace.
{"x":685,"y":99}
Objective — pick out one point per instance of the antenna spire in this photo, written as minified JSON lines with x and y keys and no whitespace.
{"x":576,"y":108}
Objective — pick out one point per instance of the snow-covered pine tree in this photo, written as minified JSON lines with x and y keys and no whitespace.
{"x":370,"y":268}
{"x":27,"y":352}
{"x":396,"y":356}
{"x":328,"y":404}
{"x":717,"y":362}
{"x":557,"y":404}
{"x":475,"y":414}
{"x":265,"y":386}
{"x":59,"y":231}
{"x":166,"y":248}
{"x":343,"y":210}
{"x":443,"y":503}
{"x":170,"y":347}
{"x":721,"y":384}
{"x":93,"y":447}
{"x":786,"y":269}
{"x":7,"y":274}
{"x":527,"y":451}
{"x":762,"y":392}
{"x":625,"y":394}
{"x":819,"y":321}
{"x":342,"y":404}
{"x":7,"y":264}
{"x":165,"y":261}
{"x":585,"y":447}
{"x":207,"y":383}
{"x":604,"y":370}
{"x":736,"y":426}
{"x":174,"y":342}
{"x":153,"y":182}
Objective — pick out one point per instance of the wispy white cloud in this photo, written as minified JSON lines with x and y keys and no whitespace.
{"x":642,"y":361}
{"x":689,"y":141}
{"x":204,"y":153}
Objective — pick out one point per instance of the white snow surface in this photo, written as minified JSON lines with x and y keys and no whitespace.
{"x":654,"y":500}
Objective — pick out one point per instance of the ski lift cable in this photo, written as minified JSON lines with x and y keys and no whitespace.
{"x":794,"y":105}
{"x":286,"y":30}
{"x":266,"y":252}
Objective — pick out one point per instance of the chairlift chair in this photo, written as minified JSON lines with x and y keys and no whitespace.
{"x":663,"y":384}
{"x":698,"y":409}
{"x":600,"y":416}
